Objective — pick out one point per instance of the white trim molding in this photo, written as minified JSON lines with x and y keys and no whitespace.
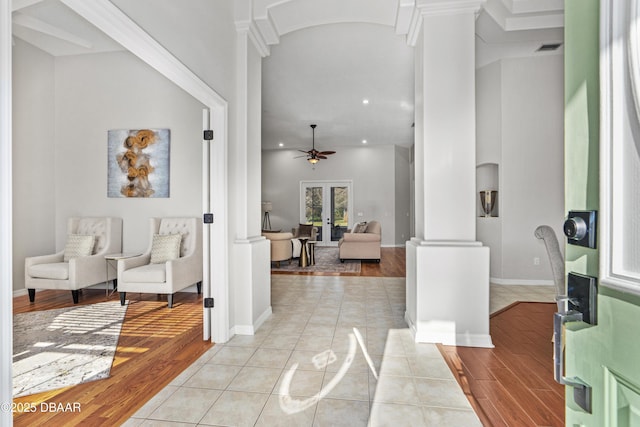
{"x":619,"y":82}
{"x":6,"y":218}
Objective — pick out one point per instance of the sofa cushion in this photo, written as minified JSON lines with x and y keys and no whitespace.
{"x":54,"y":271}
{"x":165,"y":247}
{"x":78,"y":245}
{"x":148,"y":273}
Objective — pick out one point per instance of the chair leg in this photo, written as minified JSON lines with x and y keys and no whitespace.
{"x":199,"y":287}
{"x":32,"y":295}
{"x":75,"y":294}
{"x":170,"y":300}
{"x":123,"y":297}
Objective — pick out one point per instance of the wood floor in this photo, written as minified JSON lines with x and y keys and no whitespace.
{"x":512,"y":384}
{"x":155,"y":345}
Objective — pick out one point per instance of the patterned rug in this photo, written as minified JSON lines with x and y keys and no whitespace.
{"x":327,"y":262}
{"x":67,"y":346}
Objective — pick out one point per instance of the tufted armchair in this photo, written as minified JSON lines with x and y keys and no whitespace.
{"x":73,"y":268}
{"x":161,"y":270}
{"x":281,"y":249}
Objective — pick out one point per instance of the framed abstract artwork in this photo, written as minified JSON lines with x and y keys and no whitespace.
{"x":138,"y":163}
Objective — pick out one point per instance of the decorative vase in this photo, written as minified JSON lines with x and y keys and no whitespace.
{"x":488,"y":200}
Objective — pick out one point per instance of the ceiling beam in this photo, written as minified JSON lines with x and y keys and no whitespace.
{"x":21,"y":4}
{"x":48,"y":29}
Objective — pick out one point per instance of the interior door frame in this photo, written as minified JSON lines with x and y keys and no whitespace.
{"x":326,"y":185}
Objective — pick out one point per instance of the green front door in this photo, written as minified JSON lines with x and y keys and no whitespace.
{"x":602,"y":172}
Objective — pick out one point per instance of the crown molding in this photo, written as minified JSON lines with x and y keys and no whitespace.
{"x":422,"y":8}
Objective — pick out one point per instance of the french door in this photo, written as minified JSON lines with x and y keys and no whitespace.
{"x":326,"y":205}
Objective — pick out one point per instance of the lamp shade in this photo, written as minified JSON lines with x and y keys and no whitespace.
{"x":267,"y":206}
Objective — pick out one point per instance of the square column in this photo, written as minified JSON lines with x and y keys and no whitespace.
{"x":447,"y":270}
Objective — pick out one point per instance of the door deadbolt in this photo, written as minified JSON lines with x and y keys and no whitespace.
{"x":580,"y":228}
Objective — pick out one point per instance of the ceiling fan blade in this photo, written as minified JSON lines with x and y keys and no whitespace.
{"x":302,"y":151}
{"x":320,"y":156}
{"x":325,"y":153}
{"x":297,"y":157}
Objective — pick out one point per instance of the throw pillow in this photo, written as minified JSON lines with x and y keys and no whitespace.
{"x":304,"y":230}
{"x":360,"y":228}
{"x":78,"y":245}
{"x":165,"y":247}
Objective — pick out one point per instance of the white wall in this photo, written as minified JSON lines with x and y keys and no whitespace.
{"x":372,"y":170}
{"x":34,"y":215}
{"x":403,"y":194}
{"x":95,"y":93}
{"x":521,"y":128}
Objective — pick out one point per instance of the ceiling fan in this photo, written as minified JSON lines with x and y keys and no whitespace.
{"x":313,"y":155}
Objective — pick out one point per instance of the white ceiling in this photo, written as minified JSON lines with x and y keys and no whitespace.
{"x":324,"y":58}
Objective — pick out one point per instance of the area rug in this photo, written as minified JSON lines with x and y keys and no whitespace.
{"x":327,"y":262}
{"x":63,"y":347}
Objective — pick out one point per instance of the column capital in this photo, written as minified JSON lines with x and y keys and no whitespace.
{"x":412,"y":12}
{"x":448,"y":7}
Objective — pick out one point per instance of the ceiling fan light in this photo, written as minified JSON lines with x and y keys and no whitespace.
{"x":313,"y":160}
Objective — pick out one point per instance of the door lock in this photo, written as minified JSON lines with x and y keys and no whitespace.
{"x":580,"y":228}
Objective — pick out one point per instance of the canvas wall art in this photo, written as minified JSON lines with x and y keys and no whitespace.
{"x":138,"y":163}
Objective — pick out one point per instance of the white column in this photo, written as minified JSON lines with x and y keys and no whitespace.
{"x":251,"y":276}
{"x":447,"y":270}
{"x":6,"y":263}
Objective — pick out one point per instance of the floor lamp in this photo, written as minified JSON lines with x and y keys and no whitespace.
{"x":266,"y":221}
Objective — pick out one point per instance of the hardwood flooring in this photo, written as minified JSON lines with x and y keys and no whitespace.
{"x":512,"y":384}
{"x":155,"y":345}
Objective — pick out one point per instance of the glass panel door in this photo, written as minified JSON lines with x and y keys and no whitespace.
{"x":326,"y":205}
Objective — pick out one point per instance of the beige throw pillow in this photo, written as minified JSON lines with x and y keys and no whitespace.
{"x":78,"y":245}
{"x":360,"y":228}
{"x":165,"y":247}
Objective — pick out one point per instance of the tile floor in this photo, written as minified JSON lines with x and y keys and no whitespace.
{"x":306,"y":365}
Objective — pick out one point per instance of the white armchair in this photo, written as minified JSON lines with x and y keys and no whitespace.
{"x":158,"y":271}
{"x":81,"y":264}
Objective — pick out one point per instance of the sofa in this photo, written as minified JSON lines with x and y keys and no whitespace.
{"x":361,"y":242}
{"x":281,"y":248}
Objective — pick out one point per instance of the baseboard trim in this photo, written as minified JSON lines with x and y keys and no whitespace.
{"x":20,"y":292}
{"x":526,"y":282}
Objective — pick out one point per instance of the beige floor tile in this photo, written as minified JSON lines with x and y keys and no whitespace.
{"x":282,"y":342}
{"x":302,"y":383}
{"x":235,"y":408}
{"x":396,"y":415}
{"x":275,"y":415}
{"x":442,"y":393}
{"x":395,"y":365}
{"x":350,"y":386}
{"x":314,"y":343}
{"x":429,"y":367}
{"x":213,"y":376}
{"x":269,"y":358}
{"x":186,"y":405}
{"x":338,"y":413}
{"x":156,"y":423}
{"x":256,"y":380}
{"x":233,"y":356}
{"x":310,"y":360}
{"x":447,"y":417}
{"x":396,"y":390}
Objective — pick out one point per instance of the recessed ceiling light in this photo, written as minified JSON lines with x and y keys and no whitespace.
{"x":364,"y":141}
{"x":365,"y":101}
{"x":281,"y":145}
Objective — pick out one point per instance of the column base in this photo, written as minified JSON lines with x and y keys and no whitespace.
{"x":448,"y":293}
{"x":252,"y":289}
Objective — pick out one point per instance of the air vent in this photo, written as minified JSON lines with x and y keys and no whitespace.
{"x":548,"y":47}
